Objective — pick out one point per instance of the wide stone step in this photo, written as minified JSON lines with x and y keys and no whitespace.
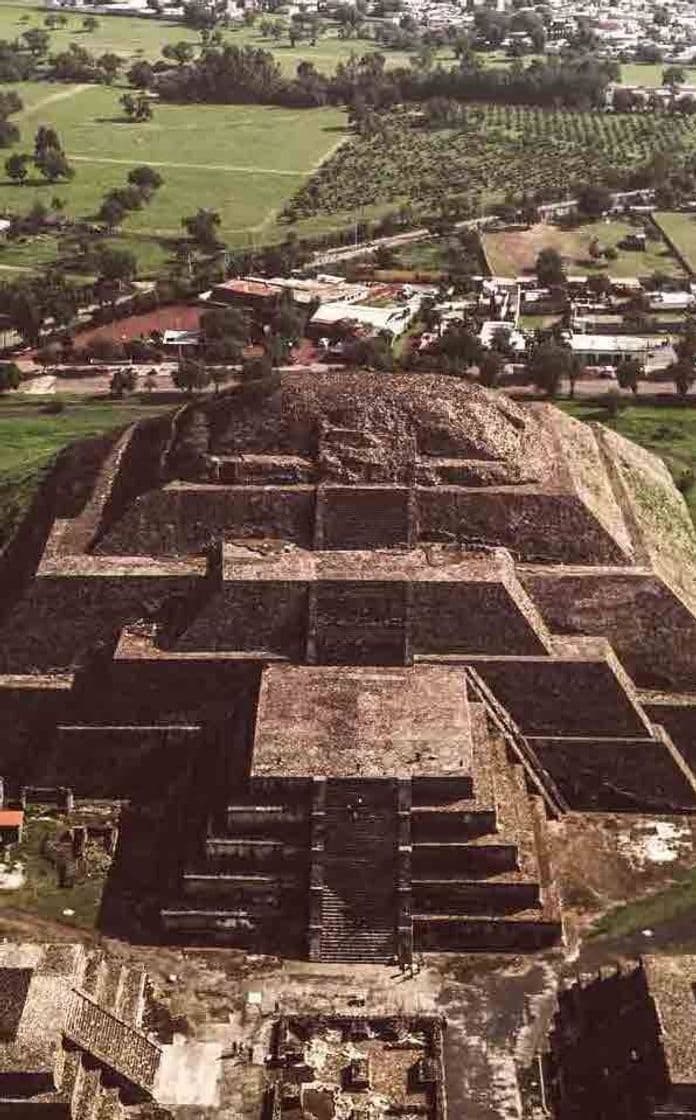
{"x":433,"y":823}
{"x":463,"y":933}
{"x":456,"y":897}
{"x":448,"y":860}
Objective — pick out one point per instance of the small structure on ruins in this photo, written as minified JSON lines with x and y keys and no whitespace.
{"x":363,"y":634}
{"x":71,"y":1041}
{"x":327,"y":1066}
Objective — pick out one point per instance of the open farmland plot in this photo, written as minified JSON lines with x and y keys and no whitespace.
{"x":512,"y":252}
{"x":243,"y":161}
{"x":681,"y":230}
{"x":496,"y":150}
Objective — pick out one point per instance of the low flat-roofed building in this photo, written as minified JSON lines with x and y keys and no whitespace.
{"x":394,"y":319}
{"x":599,"y":349}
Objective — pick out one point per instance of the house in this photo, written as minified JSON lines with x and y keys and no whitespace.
{"x":11,"y":825}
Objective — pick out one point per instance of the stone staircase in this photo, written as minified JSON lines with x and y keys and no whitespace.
{"x":109,"y":1063}
{"x":358,"y":903}
{"x":481,"y":878}
{"x":252,"y":870}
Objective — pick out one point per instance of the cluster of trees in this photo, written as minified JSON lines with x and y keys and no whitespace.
{"x":29,"y":302}
{"x":228,"y":73}
{"x":77,"y":64}
{"x":48,"y":158}
{"x":142,"y":183}
{"x":137,"y":107}
{"x":10,"y":102}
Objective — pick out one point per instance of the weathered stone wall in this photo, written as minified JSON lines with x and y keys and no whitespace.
{"x":679,"y":721}
{"x":61,"y":617}
{"x":571,"y":697}
{"x":29,"y":712}
{"x":360,"y":623}
{"x":366,"y":517}
{"x":139,"y":469}
{"x":616,"y":775}
{"x":476,"y":617}
{"x":535,"y":526}
{"x":182,"y":518}
{"x":258,"y":615}
{"x":652,"y":631}
{"x":124,"y":761}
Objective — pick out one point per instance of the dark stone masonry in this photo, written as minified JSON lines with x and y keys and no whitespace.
{"x":370,"y":632}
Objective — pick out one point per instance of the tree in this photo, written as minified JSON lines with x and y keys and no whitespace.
{"x":549,"y":364}
{"x":109,"y":66}
{"x":686,"y":347}
{"x":549,"y":268}
{"x":682,"y":373}
{"x":629,"y":372}
{"x":137,"y":108}
{"x":90,"y":23}
{"x":191,"y":375}
{"x":9,"y":133}
{"x":594,"y":200}
{"x":181,"y":52}
{"x":10,"y":376}
{"x":117,"y":264}
{"x":111,"y":212}
{"x":53,"y":166}
{"x":202,"y":227}
{"x":145,"y":178}
{"x":141,"y":75}
{"x":36,"y":40}
{"x":17,"y":167}
{"x":673,"y":76}
{"x":490,"y":368}
{"x":123,"y":381}
{"x":46,"y":140}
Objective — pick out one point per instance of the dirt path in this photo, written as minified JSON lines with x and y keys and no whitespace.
{"x":62,"y":95}
{"x":193,"y":166}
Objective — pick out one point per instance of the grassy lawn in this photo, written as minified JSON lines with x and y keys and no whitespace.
{"x":669,"y":431}
{"x":242,"y":160}
{"x":650,"y":74}
{"x":42,"y":892}
{"x":662,"y":909}
{"x":681,"y":228}
{"x":31,"y":437}
{"x":133,"y":37}
{"x":513,"y":252}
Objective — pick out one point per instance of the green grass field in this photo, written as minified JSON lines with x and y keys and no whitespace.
{"x":650,"y":74}
{"x":134,"y":37}
{"x":681,"y":229}
{"x":513,"y":252}
{"x":242,"y":160}
{"x":31,"y":437}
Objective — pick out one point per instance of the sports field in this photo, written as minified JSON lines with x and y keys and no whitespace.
{"x":513,"y":252}
{"x":243,"y":161}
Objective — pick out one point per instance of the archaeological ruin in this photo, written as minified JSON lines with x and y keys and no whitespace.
{"x":71,"y":1037}
{"x":363,"y":635}
{"x":359,"y":1066}
{"x":621,"y":1045}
